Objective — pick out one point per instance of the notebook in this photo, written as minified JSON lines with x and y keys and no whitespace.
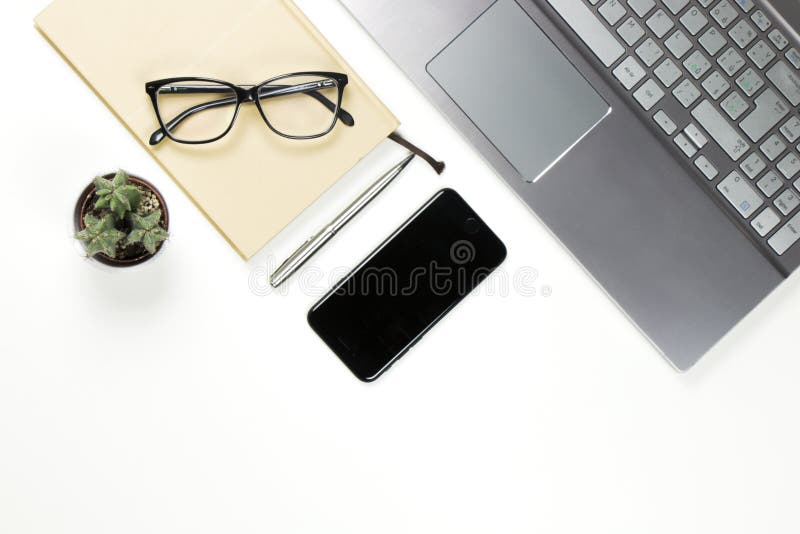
{"x":251,"y":183}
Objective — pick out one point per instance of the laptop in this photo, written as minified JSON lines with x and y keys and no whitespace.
{"x":656,"y":139}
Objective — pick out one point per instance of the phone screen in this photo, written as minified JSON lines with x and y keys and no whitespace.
{"x":428,"y":265}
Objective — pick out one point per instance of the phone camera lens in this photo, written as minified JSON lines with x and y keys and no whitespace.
{"x":472,"y":226}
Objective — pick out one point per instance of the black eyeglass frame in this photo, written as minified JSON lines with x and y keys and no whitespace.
{"x":248,"y":94}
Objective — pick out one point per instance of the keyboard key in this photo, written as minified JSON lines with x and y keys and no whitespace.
{"x":686,"y":93}
{"x":590,"y":30}
{"x":786,"y":80}
{"x":668,"y":72}
{"x":697,"y":64}
{"x":770,"y":184}
{"x":766,"y":221}
{"x":685,"y":145}
{"x":720,"y":130}
{"x":746,"y":5}
{"x":794,"y":57}
{"x":734,"y":105}
{"x":753,"y":165}
{"x":630,"y":31}
{"x":695,"y":136}
{"x":791,"y":130}
{"x":665,"y":122}
{"x":730,"y":61}
{"x":738,"y":191}
{"x":789,"y":165}
{"x":648,"y":95}
{"x":713,"y":41}
{"x":773,"y":147}
{"x":787,"y":202}
{"x":761,"y":54}
{"x":742,"y":34}
{"x":770,"y":111}
{"x":706,"y":167}
{"x":694,"y":21}
{"x":660,"y":23}
{"x":786,"y":237}
{"x":750,"y":82}
{"x":716,"y":85}
{"x":675,"y":5}
{"x":629,"y":73}
{"x":678,"y":44}
{"x":778,"y":39}
{"x":641,"y":7}
{"x":649,"y":52}
{"x":724,"y":13}
{"x":612,"y":11}
{"x":761,"y":20}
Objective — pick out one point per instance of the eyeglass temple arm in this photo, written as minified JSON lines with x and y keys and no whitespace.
{"x":310,"y":89}
{"x":276,"y":91}
{"x":159,"y":134}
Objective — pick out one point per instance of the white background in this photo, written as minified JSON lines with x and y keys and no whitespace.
{"x":172,"y":398}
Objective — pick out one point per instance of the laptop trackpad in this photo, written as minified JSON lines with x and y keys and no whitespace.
{"x":518,"y":88}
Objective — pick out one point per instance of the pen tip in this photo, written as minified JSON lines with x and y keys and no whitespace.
{"x":403,"y":164}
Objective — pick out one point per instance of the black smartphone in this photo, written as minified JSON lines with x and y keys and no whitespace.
{"x":427,"y":266}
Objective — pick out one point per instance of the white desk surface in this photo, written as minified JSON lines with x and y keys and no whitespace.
{"x":174,"y":399}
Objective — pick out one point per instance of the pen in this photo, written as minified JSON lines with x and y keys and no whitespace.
{"x":310,"y":247}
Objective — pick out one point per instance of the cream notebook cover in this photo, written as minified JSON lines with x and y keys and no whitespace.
{"x":251,"y":183}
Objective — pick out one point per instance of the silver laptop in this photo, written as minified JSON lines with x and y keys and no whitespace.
{"x":656,"y":139}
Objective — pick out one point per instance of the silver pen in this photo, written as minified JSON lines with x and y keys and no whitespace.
{"x":310,"y":247}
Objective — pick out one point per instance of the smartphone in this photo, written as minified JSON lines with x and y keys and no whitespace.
{"x":410,"y":282}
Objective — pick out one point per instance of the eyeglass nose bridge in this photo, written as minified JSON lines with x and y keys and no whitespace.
{"x":247,"y":93}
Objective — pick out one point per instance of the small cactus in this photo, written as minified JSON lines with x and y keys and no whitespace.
{"x":147,"y":231}
{"x":100,"y":235}
{"x":119,"y":219}
{"x":117,"y":194}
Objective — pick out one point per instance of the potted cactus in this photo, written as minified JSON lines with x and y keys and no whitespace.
{"x":121,"y":220}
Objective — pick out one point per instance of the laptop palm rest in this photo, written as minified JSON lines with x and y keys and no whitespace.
{"x":518,"y":89}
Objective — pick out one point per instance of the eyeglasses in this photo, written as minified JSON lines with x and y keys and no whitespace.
{"x":301,"y":105}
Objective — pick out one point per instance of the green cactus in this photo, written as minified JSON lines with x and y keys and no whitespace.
{"x":147,"y":230}
{"x":123,"y":214}
{"x":117,"y":194}
{"x":100,"y":235}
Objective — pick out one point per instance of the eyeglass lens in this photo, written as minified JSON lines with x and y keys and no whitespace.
{"x":196,"y":110}
{"x":300,"y":106}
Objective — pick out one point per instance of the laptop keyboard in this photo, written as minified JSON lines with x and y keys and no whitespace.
{"x":723,"y":83}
